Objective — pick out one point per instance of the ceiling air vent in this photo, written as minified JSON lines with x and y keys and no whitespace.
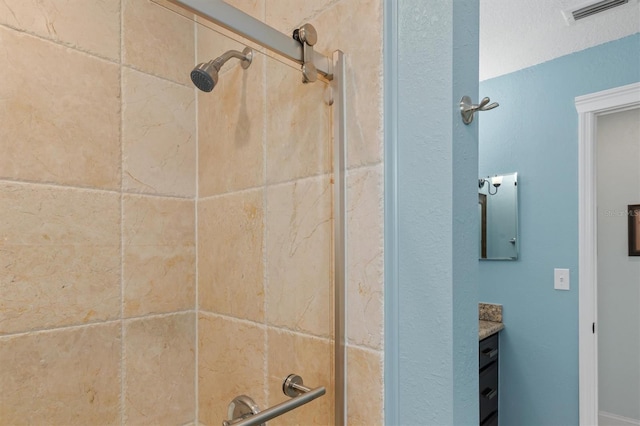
{"x":584,"y":11}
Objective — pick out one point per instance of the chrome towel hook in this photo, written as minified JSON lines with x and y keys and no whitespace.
{"x":467,"y":108}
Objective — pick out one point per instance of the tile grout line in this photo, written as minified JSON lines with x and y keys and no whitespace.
{"x":265,"y":232}
{"x":122,"y":327}
{"x":6,"y":180}
{"x":196,"y":343}
{"x":93,"y":324}
{"x":115,"y":61}
{"x":277,"y":328}
{"x":265,"y":185}
{"x":60,"y":186}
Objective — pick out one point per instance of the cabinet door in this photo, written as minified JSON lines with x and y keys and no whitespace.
{"x":488,"y":391}
{"x":488,"y":350}
{"x":492,"y":420}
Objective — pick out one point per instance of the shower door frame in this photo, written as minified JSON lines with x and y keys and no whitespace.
{"x":333,"y":68}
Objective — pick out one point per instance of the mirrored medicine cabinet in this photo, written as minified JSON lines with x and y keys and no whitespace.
{"x":498,"y":213}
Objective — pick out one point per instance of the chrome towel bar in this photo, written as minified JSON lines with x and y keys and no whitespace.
{"x":293,"y":387}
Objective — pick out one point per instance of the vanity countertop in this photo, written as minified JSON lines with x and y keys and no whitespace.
{"x":488,"y":328}
{"x":490,"y":320}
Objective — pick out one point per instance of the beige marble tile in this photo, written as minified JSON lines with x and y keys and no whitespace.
{"x":230,"y":245}
{"x":159,"y":255}
{"x":299,"y":252}
{"x":310,"y":358}
{"x":361,"y":40}
{"x":287,"y":15}
{"x":365,"y":386}
{"x":175,"y":8}
{"x":253,"y":8}
{"x":60,"y":256}
{"x":159,"y":136}
{"x":62,"y":377}
{"x":158,"y":40}
{"x":159,"y":370}
{"x":298,"y":125}
{"x":230,"y":130}
{"x":230,"y":363}
{"x":365,"y":256}
{"x":92,"y":26}
{"x":60,"y":114}
{"x":214,"y":40}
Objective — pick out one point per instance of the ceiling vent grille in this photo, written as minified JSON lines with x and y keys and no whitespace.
{"x":585,"y":10}
{"x":597,"y":7}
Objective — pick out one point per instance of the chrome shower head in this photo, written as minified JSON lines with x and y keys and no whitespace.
{"x":205,"y":75}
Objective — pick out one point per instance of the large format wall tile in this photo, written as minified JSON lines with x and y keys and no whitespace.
{"x":230,"y":130}
{"x":158,"y":40}
{"x":213,"y":43}
{"x":361,"y":40}
{"x":60,"y":114}
{"x":286,"y":15}
{"x":159,"y":136}
{"x":230,"y":363}
{"x":299,"y":253}
{"x":159,"y":370}
{"x":62,"y":377}
{"x":230,"y":264}
{"x":365,"y":256}
{"x":159,"y":255}
{"x":364,"y":387}
{"x":60,"y":256}
{"x":298,"y":125}
{"x":310,"y":358}
{"x":92,"y":26}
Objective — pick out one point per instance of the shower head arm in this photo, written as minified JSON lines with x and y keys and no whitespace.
{"x":245,"y":57}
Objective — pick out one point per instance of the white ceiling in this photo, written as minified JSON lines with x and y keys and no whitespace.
{"x":516,"y":34}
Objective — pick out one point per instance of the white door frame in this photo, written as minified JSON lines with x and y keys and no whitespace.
{"x":589,"y":107}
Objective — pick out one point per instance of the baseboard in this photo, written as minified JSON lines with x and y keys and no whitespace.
{"x":609,"y":419}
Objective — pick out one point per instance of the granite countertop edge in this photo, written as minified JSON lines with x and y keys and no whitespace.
{"x":490,"y":317}
{"x":488,"y":328}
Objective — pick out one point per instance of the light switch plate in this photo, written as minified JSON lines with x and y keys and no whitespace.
{"x":561,"y":279}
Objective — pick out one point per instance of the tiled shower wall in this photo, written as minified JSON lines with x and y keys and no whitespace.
{"x":97,"y":214}
{"x":103,"y":193}
{"x":272,"y":316}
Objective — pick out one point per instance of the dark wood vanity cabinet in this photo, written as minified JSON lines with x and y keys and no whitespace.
{"x":489,"y":381}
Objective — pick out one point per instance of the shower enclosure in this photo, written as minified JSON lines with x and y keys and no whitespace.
{"x":271,"y":200}
{"x":163,"y":249}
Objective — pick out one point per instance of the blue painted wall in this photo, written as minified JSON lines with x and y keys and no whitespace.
{"x":535,"y":132}
{"x":431,"y":332}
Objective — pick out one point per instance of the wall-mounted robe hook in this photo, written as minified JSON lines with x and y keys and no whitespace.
{"x":467,"y":108}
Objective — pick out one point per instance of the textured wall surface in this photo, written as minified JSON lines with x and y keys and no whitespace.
{"x":519,"y":34}
{"x":539,"y":345}
{"x":437,"y":161}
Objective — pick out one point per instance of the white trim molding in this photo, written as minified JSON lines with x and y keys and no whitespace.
{"x":589,"y":107}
